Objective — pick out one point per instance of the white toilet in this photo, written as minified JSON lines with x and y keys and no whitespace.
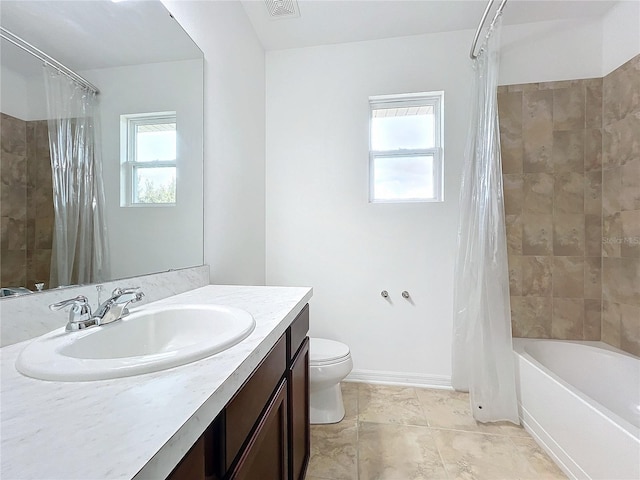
{"x":329,"y":363}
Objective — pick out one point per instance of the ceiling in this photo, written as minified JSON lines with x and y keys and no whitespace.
{"x":324,"y":22}
{"x":85,"y":35}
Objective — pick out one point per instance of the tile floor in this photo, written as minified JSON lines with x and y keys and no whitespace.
{"x":405,"y":433}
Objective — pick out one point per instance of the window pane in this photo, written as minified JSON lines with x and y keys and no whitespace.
{"x":403,"y":178}
{"x":155,"y":185}
{"x":156,"y":142}
{"x":402,"y":128}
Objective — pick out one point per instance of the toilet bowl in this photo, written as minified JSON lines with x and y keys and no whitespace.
{"x":329,"y":363}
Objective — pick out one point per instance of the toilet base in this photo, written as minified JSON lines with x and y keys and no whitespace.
{"x":326,"y":405}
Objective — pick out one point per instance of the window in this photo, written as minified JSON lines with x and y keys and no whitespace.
{"x":405,"y":149}
{"x":148,"y":145}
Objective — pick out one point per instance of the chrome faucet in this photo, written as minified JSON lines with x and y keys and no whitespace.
{"x":116,"y":307}
{"x":112,"y":309}
{"x":79,"y":315}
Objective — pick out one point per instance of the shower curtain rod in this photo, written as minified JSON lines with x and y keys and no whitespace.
{"x":482,"y":22}
{"x":40,"y":55}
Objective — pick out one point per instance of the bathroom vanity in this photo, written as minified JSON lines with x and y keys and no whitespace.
{"x":239,"y":414}
{"x":263,"y":432}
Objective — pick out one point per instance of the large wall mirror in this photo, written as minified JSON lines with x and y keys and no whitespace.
{"x":149,"y":74}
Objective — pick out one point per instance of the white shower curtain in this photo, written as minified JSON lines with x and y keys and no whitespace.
{"x":79,"y":252}
{"x":482,"y":348}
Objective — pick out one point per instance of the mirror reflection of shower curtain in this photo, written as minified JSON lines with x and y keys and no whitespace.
{"x":483,"y":361}
{"x":79,"y":253}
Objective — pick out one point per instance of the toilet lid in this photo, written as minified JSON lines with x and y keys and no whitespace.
{"x":322,"y":350}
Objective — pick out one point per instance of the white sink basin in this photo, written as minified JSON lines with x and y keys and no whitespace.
{"x":147,"y":340}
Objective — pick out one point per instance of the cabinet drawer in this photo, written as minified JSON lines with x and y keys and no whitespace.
{"x":245,"y":407}
{"x":297,"y":332}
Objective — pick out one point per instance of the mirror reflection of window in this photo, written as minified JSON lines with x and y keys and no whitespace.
{"x":149,"y":160}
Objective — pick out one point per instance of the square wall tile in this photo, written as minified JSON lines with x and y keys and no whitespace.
{"x":568,"y":151}
{"x":593,"y":278}
{"x":611,"y":323}
{"x":515,"y":275}
{"x":568,"y":318}
{"x":568,"y":196}
{"x":536,"y":276}
{"x":630,"y":183}
{"x":537,"y":131}
{"x":592,"y":149}
{"x":568,"y":234}
{"x":593,"y":103}
{"x":630,"y":223}
{"x":611,"y":235}
{"x":513,"y":225}
{"x":593,"y":192}
{"x":569,"y":108}
{"x":630,"y":328}
{"x":531,"y":317}
{"x":537,"y":193}
{"x":537,"y":234}
{"x":592,"y":320}
{"x":568,"y":277}
{"x":512,"y":188}
{"x":593,"y":235}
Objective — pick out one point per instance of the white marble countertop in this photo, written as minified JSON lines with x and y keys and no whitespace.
{"x":135,"y":427}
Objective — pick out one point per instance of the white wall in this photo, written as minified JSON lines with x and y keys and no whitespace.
{"x":321,"y":230}
{"x":621,"y":35}
{"x":153,"y":238}
{"x":234,"y":138}
{"x":13,"y":94}
{"x":551,"y":51}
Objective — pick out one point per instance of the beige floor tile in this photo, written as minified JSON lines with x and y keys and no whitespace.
{"x":334,"y":451}
{"x":397,"y":452}
{"x":350,"y":400}
{"x":450,"y":409}
{"x":385,"y":404}
{"x":479,"y":456}
{"x":513,"y":430}
{"x":538,"y":458}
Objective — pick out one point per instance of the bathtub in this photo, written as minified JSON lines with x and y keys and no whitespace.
{"x":581,"y":402}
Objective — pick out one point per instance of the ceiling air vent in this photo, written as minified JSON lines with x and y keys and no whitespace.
{"x":282,"y":8}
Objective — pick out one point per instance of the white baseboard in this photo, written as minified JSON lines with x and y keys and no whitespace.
{"x":400,"y":379}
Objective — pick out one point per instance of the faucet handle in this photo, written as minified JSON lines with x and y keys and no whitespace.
{"x":127,"y":295}
{"x":124,"y":291}
{"x":80,"y":311}
{"x":79,"y":301}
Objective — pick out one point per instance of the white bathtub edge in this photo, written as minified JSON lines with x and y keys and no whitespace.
{"x":572,"y":414}
{"x":561,"y":458}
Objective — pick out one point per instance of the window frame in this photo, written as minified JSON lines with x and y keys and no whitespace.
{"x":434,"y":99}
{"x":128,"y":152}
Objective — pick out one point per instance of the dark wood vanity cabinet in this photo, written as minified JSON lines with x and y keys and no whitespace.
{"x":263,"y":432}
{"x":298,"y":396}
{"x":265,"y":456}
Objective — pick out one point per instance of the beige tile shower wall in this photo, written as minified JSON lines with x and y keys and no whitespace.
{"x":26,"y":203}
{"x":40,"y":214}
{"x":621,"y":207}
{"x":13,"y":201}
{"x":551,"y":136}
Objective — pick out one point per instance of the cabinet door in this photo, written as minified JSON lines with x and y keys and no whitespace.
{"x":265,"y":457}
{"x":191,"y":467}
{"x":299,"y":429}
